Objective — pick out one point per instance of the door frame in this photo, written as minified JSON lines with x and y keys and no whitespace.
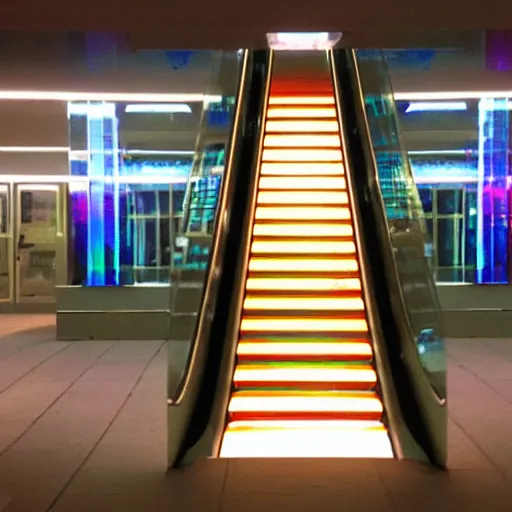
{"x":8,"y":235}
{"x":61,"y":240}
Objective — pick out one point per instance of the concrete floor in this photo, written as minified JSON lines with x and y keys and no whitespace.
{"x":83,"y":428}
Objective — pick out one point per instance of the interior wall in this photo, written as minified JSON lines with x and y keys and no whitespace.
{"x":33,"y":123}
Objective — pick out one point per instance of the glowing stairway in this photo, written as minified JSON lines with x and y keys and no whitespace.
{"x":304,"y":384}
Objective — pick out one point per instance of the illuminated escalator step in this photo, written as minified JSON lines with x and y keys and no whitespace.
{"x":301,"y":141}
{"x":303,"y":265}
{"x":309,"y":126}
{"x":302,"y":155}
{"x":292,"y":112}
{"x":301,"y":169}
{"x":335,"y":439}
{"x":301,"y":284}
{"x":316,"y":229}
{"x":314,"y":351}
{"x":302,"y":247}
{"x":303,"y":183}
{"x":302,"y":213}
{"x":304,"y":303}
{"x":303,"y":325}
{"x":316,"y":373}
{"x":302,"y":197}
{"x":305,"y":401}
{"x":301,"y":100}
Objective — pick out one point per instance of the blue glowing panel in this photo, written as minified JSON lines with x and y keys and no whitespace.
{"x":492,"y":195}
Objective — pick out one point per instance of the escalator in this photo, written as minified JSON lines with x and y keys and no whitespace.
{"x":296,"y":355}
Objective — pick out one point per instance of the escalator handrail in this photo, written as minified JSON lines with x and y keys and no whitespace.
{"x":403,"y":359}
{"x":220,"y":235}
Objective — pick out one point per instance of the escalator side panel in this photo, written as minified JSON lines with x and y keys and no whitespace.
{"x":190,"y":420}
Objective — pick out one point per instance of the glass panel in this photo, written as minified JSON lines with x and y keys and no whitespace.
{"x":37,"y":242}
{"x":145,"y":162}
{"x":406,"y":220}
{"x":449,"y":201}
{"x":5,"y":241}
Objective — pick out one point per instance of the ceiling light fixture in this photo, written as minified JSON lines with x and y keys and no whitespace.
{"x":107,"y":96}
{"x":280,"y":41}
{"x":436,"y":106}
{"x":158,"y":108}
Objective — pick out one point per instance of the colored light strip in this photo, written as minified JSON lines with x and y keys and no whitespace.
{"x":301,"y":141}
{"x":302,"y":155}
{"x":302,"y":183}
{"x":308,"y":425}
{"x":316,"y":349}
{"x":304,"y":303}
{"x":301,"y":169}
{"x":304,"y":213}
{"x":319,"y":402}
{"x":306,"y":284}
{"x":436,"y":106}
{"x":302,"y":265}
{"x":251,"y":373}
{"x":287,"y":230}
{"x":297,"y":113}
{"x":301,"y":100}
{"x":308,"y":247}
{"x":304,"y":324}
{"x":305,"y":197}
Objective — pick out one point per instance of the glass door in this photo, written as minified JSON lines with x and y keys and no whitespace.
{"x":37,"y":231}
{"x":6,"y":274}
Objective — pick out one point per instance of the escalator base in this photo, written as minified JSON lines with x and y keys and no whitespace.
{"x":306,"y":439}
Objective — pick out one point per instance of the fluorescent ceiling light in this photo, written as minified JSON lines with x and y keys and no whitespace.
{"x":441,"y":152}
{"x":34,"y":149}
{"x":457,"y":95}
{"x":158,"y":108}
{"x":83,"y":180}
{"x":436,"y":106}
{"x":107,"y":96}
{"x":303,"y":40}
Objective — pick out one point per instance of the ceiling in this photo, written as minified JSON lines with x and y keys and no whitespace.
{"x":226,"y":24}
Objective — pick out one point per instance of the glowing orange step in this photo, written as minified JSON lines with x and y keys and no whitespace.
{"x":329,"y":439}
{"x":301,"y":169}
{"x":301,"y":213}
{"x":273,"y":324}
{"x":283,"y":302}
{"x":254,"y":350}
{"x":315,"y":376}
{"x":302,"y":197}
{"x":307,"y":112}
{"x":303,"y":183}
{"x":303,"y":284}
{"x":301,"y":141}
{"x":301,"y":100}
{"x":302,"y":155}
{"x":284,"y":230}
{"x":313,"y":405}
{"x":309,"y":126}
{"x":319,"y":265}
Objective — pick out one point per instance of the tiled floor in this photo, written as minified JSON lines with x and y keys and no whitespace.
{"x":83,"y":428}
